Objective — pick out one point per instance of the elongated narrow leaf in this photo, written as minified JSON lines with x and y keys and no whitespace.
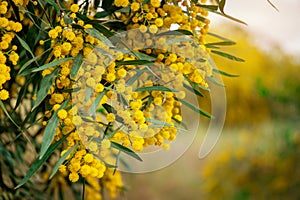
{"x":37,"y":163}
{"x":88,"y":93}
{"x":180,"y":123}
{"x":158,"y":88}
{"x":7,"y":114}
{"x":176,"y":32}
{"x":136,"y":76}
{"x":125,"y":150}
{"x":194,"y":108}
{"x":218,"y":36}
{"x":209,"y":7}
{"x":158,"y":122}
{"x":96,"y":34}
{"x":221,"y":7}
{"x":102,"y":14}
{"x":96,"y":103}
{"x":224,"y":43}
{"x":193,"y":89}
{"x":215,"y":81}
{"x":28,"y":63}
{"x":227,"y":55}
{"x":50,"y":130}
{"x":54,"y":4}
{"x":45,"y":86}
{"x":52,"y":64}
{"x":225,"y":73}
{"x":25,"y":45}
{"x":61,"y":160}
{"x":76,"y":65}
{"x":133,"y":62}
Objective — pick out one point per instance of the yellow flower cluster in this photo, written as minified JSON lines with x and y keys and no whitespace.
{"x":8,"y":56}
{"x":156,"y":15}
{"x":105,"y":111}
{"x":83,"y":163}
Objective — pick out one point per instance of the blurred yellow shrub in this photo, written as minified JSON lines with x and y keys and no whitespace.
{"x":268,"y":84}
{"x":259,"y":164}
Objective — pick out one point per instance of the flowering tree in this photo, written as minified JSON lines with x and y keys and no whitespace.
{"x":84,"y":82}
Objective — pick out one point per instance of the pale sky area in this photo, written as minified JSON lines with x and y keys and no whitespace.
{"x":267,"y":24}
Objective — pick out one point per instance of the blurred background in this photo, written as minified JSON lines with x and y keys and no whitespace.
{"x":258,"y":153}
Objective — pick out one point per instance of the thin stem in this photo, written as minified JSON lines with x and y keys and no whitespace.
{"x":83,"y":190}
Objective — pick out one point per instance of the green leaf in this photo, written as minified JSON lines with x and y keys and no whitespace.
{"x":225,"y":73}
{"x":193,"y":89}
{"x":136,"y":76}
{"x":37,"y":163}
{"x":158,"y":88}
{"x":221,"y":7}
{"x":102,"y":14}
{"x":96,"y":102}
{"x":50,"y":130}
{"x":158,"y":122}
{"x":61,"y":160}
{"x":209,"y":7}
{"x":25,"y":45}
{"x":45,"y":86}
{"x":96,"y":3}
{"x":176,"y":32}
{"x":107,"y":4}
{"x":229,"y":56}
{"x":107,"y":33}
{"x":224,"y":43}
{"x":111,"y":134}
{"x":7,"y":114}
{"x":125,"y":150}
{"x":180,"y":123}
{"x":133,"y":62}
{"x":54,"y":4}
{"x":215,"y":81}
{"x":198,"y":110}
{"x":218,"y":36}
{"x":96,"y":34}
{"x":76,"y":65}
{"x":27,"y":64}
{"x":88,"y":93}
{"x":52,"y":64}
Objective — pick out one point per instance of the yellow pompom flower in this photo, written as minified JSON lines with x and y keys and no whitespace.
{"x":99,"y":87}
{"x":62,"y":114}
{"x":53,"y":34}
{"x":110,"y":77}
{"x":4,"y":95}
{"x":155,"y":3}
{"x":4,"y":45}
{"x":153,"y":29}
{"x":143,"y":28}
{"x":121,"y":3}
{"x":74,"y":8}
{"x":85,"y":170}
{"x":105,"y":144}
{"x":135,"y":6}
{"x":88,"y":158}
{"x":14,"y":57}
{"x":159,"y":22}
{"x":73,"y":177}
{"x":110,"y":117}
{"x":3,"y":9}
{"x":121,"y":73}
